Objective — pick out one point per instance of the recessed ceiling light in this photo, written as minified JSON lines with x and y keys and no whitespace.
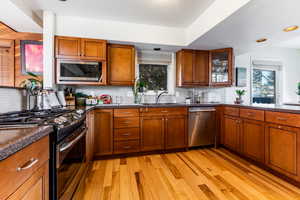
{"x":261,"y":40}
{"x":291,"y":28}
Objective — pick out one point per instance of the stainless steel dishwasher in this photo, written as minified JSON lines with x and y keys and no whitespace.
{"x":202,"y":126}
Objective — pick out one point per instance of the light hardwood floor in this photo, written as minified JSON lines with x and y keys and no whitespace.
{"x":199,"y":174}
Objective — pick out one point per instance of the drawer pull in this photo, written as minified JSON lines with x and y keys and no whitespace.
{"x":281,"y":119}
{"x":126,"y":134}
{"x":126,"y":112}
{"x":250,"y":114}
{"x":127,"y":147}
{"x":28,"y":165}
{"x":164,"y":111}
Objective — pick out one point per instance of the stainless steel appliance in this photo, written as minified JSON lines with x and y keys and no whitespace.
{"x":68,"y":70}
{"x":202,"y":126}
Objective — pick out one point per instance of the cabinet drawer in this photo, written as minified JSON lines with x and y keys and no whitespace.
{"x":283,"y":118}
{"x":126,"y":146}
{"x":163,"y":111}
{"x":126,"y":112}
{"x":252,"y":114}
{"x":126,"y":134}
{"x":126,"y":122}
{"x":231,"y":111}
{"x":17,"y":168}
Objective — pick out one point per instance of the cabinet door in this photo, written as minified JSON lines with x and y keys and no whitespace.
{"x":93,"y":49}
{"x":201,"y":68}
{"x":152,"y":133}
{"x":7,"y":66}
{"x":90,"y":136}
{"x":35,"y":188}
{"x":175,"y":134}
{"x":231,"y":132}
{"x":282,"y":154}
{"x":220,"y":67}
{"x":121,"y":64}
{"x":253,"y":139}
{"x":103,"y":134}
{"x":68,"y":47}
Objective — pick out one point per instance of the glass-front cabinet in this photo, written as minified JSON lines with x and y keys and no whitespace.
{"x":221,"y":65}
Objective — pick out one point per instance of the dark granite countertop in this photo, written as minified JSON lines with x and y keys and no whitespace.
{"x":278,"y":108}
{"x":13,"y":140}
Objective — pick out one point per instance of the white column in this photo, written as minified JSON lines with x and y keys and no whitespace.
{"x":48,"y":49}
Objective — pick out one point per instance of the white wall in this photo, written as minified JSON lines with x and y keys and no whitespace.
{"x":290,"y":59}
{"x":11,"y":100}
{"x":119,"y":31}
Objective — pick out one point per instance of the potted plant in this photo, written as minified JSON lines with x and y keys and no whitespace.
{"x":34,"y":87}
{"x":298,"y":92}
{"x":139,"y":87}
{"x":240,"y":94}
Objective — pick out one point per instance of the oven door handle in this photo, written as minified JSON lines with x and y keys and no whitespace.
{"x":71,"y":143}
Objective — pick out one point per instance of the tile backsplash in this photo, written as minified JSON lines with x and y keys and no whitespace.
{"x":12,"y":100}
{"x":207,"y":94}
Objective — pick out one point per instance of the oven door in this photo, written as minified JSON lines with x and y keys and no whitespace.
{"x":70,"y":163}
{"x":68,"y":70}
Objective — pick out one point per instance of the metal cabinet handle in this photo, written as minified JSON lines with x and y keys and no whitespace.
{"x":127,"y":147}
{"x":164,"y":111}
{"x":28,"y":164}
{"x":281,"y":119}
{"x":126,"y":134}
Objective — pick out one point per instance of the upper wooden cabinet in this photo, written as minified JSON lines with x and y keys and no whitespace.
{"x":204,"y":68}
{"x":220,"y":67}
{"x":121,"y":62}
{"x":80,"y":48}
{"x":192,"y":68}
{"x":7,"y":66}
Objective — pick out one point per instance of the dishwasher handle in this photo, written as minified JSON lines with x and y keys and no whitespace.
{"x":202,"y":110}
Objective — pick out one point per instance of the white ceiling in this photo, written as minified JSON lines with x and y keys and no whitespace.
{"x":258,"y":19}
{"x":172,"y":13}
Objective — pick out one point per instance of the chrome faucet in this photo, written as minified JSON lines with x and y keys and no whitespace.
{"x":158,"y":96}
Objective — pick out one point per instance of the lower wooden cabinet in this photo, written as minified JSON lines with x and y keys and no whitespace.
{"x":35,"y":188}
{"x":103,"y":134}
{"x":152,"y":133}
{"x":175,"y":134}
{"x":253,"y":139}
{"x":90,"y":118}
{"x":231,"y":129}
{"x":282,"y":149}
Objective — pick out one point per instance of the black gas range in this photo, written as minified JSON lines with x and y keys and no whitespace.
{"x":67,"y":145}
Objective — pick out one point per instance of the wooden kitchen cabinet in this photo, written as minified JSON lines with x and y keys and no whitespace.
{"x":68,"y":47}
{"x":121,"y":60}
{"x":231,"y":129}
{"x":7,"y":64}
{"x":253,"y":139}
{"x":282,"y":149}
{"x":103,"y":133}
{"x":176,"y":134}
{"x":90,"y":118}
{"x":31,"y":180}
{"x":152,"y":133}
{"x":192,"y":68}
{"x":221,"y":67}
{"x":80,"y":48}
{"x":35,"y":188}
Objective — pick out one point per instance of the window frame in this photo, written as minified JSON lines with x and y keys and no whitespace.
{"x":171,"y":75}
{"x":278,"y":78}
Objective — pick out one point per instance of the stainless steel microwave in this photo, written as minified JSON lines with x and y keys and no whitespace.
{"x":78,"y":71}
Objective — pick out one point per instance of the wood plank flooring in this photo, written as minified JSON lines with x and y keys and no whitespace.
{"x":206,"y":174}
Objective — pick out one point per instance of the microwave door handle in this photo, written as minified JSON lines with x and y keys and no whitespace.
{"x":71,"y":143}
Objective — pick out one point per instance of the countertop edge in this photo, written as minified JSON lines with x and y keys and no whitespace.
{"x":22,"y":142}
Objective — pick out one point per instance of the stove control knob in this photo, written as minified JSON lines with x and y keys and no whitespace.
{"x":80,"y":111}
